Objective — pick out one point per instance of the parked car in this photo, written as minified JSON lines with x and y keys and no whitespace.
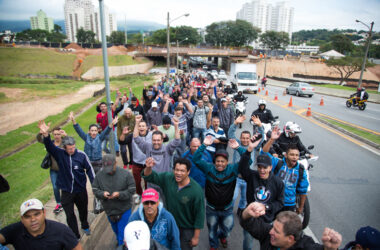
{"x":205,"y":67}
{"x":300,"y":88}
{"x":222,"y":76}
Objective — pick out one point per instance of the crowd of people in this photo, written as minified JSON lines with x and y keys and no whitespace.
{"x":174,"y":143}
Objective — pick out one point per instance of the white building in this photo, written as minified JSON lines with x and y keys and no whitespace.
{"x":260,"y":13}
{"x":82,"y":14}
{"x":41,"y":22}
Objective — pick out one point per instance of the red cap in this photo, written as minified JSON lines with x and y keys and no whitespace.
{"x":150,"y":194}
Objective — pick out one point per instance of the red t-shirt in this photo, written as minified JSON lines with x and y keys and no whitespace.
{"x":102,"y":119}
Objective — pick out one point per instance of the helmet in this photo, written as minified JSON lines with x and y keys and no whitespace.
{"x":262,"y":102}
{"x":363,"y":89}
{"x":291,"y":127}
{"x":359,"y":89}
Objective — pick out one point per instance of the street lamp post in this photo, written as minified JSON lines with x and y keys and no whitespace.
{"x":178,"y":43}
{"x":366,"y":50}
{"x":168,"y":41}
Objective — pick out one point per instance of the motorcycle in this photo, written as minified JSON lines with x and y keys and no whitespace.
{"x":267,"y":128}
{"x":240,"y":109}
{"x":361,"y":104}
{"x":308,"y":163}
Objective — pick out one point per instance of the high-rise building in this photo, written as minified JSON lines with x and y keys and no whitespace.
{"x":260,"y":13}
{"x":41,"y":21}
{"x":82,"y":14}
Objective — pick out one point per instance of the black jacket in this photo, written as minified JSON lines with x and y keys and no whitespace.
{"x":269,"y":191}
{"x":265,"y":115}
{"x":260,"y":231}
{"x":283,"y":142}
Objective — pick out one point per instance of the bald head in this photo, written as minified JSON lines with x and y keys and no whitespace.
{"x":128,"y":112}
{"x":194,"y":145}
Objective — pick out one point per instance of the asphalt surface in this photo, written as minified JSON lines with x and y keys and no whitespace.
{"x":345,"y":193}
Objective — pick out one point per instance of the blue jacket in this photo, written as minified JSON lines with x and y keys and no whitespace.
{"x":220,"y":185}
{"x":290,"y":178}
{"x":195,"y":172}
{"x":164,"y":230}
{"x":92,"y":146}
{"x":72,"y":168}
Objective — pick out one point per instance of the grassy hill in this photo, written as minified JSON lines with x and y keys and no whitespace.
{"x":116,"y":60}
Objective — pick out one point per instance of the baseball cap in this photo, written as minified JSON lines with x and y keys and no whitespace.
{"x":166,"y":120}
{"x":154,"y":104}
{"x":223,"y":100}
{"x":221,"y":152}
{"x":149,"y":194}
{"x":108,"y":160}
{"x":368,"y":237}
{"x":30,"y":205}
{"x":264,"y":160}
{"x":137,"y":235}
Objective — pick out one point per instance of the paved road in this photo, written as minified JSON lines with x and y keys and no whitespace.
{"x":333,"y":106}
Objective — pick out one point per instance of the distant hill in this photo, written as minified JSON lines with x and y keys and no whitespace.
{"x":133,"y":26}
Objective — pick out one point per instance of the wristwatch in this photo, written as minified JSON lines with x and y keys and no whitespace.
{"x":266,"y":207}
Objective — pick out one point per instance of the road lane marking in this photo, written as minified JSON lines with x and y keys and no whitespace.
{"x":348,"y":123}
{"x":310,"y":233}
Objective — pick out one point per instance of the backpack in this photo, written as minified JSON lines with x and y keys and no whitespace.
{"x":301,"y":170}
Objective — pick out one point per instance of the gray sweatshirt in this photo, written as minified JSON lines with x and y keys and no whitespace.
{"x":161,"y":156}
{"x":138,"y":156}
{"x":121,"y":181}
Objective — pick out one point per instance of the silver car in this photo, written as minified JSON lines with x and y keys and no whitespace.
{"x":300,"y":88}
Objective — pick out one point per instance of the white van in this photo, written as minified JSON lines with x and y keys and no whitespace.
{"x":243,"y":76}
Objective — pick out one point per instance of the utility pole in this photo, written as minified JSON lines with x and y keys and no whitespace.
{"x":106,"y":74}
{"x":168,"y":47}
{"x":366,"y":51}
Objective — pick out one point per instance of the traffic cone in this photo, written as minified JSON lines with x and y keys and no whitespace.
{"x":266,"y":93}
{"x":290,"y":102}
{"x":284,"y":93}
{"x":275,"y":97}
{"x":258,"y":90}
{"x":308,"y":112}
{"x":262,"y":88}
{"x":322,"y":103}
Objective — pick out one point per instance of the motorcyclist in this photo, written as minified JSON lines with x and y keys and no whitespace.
{"x":264,"y":114}
{"x":228,"y":90}
{"x":361,"y":94}
{"x":239,"y":97}
{"x":287,"y":137}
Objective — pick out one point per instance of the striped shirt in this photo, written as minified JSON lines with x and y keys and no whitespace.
{"x":215,"y":135}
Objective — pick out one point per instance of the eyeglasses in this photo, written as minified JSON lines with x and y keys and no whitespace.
{"x":146,"y":203}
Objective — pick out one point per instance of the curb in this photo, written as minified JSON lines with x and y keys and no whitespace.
{"x":97,"y":228}
{"x":359,"y":138}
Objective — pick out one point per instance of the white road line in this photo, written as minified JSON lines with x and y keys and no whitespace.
{"x":372,"y":150}
{"x":310,"y":233}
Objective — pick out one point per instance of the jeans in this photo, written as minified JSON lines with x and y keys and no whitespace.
{"x":118,"y":227}
{"x":106,"y":141}
{"x":81,"y":202}
{"x":199,"y":133}
{"x":53,"y":178}
{"x":185,"y":236}
{"x":219,"y":223}
{"x":247,"y":241}
{"x":241,"y":186}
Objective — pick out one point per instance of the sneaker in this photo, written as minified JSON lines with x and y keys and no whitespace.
{"x":224,"y":242}
{"x":87,"y":231}
{"x":125,"y":167}
{"x":117,"y":153}
{"x":58,"y":209}
{"x":213,"y":248}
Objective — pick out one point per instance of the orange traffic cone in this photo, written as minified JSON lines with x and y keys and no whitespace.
{"x":262,"y":88}
{"x":322,"y":103}
{"x":284,"y":93}
{"x":290,"y":102}
{"x":275,"y":97}
{"x":266,"y":93}
{"x":258,"y":90}
{"x":308,"y":112}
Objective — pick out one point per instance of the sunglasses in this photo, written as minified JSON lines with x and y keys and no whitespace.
{"x":146,"y":203}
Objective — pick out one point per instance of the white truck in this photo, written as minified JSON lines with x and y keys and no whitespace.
{"x":243,"y":77}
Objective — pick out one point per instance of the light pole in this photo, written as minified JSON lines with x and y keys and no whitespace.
{"x":178,"y":43}
{"x":106,"y":75}
{"x":168,"y":41}
{"x":366,"y":50}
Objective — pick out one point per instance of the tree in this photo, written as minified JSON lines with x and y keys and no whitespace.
{"x":84,"y":36}
{"x":55,"y":37}
{"x":275,"y":40}
{"x":231,"y":33}
{"x":346,"y":66}
{"x":135,"y":38}
{"x":57,"y":28}
{"x":117,"y":37}
{"x":342,"y":44}
{"x":183,"y":32}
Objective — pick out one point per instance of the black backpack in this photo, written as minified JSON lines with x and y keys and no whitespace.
{"x":301,"y":170}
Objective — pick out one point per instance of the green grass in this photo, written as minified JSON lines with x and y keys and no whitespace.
{"x":15,"y":61}
{"x":41,"y":87}
{"x":367,"y":135}
{"x":3,"y":98}
{"x":22,"y":170}
{"x":352,"y":89}
{"x":116,"y":60}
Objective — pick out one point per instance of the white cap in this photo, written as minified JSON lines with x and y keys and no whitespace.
{"x":154,"y":104}
{"x":137,"y":235}
{"x":30,"y":205}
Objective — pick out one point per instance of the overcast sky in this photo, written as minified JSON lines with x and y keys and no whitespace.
{"x":308,"y":14}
